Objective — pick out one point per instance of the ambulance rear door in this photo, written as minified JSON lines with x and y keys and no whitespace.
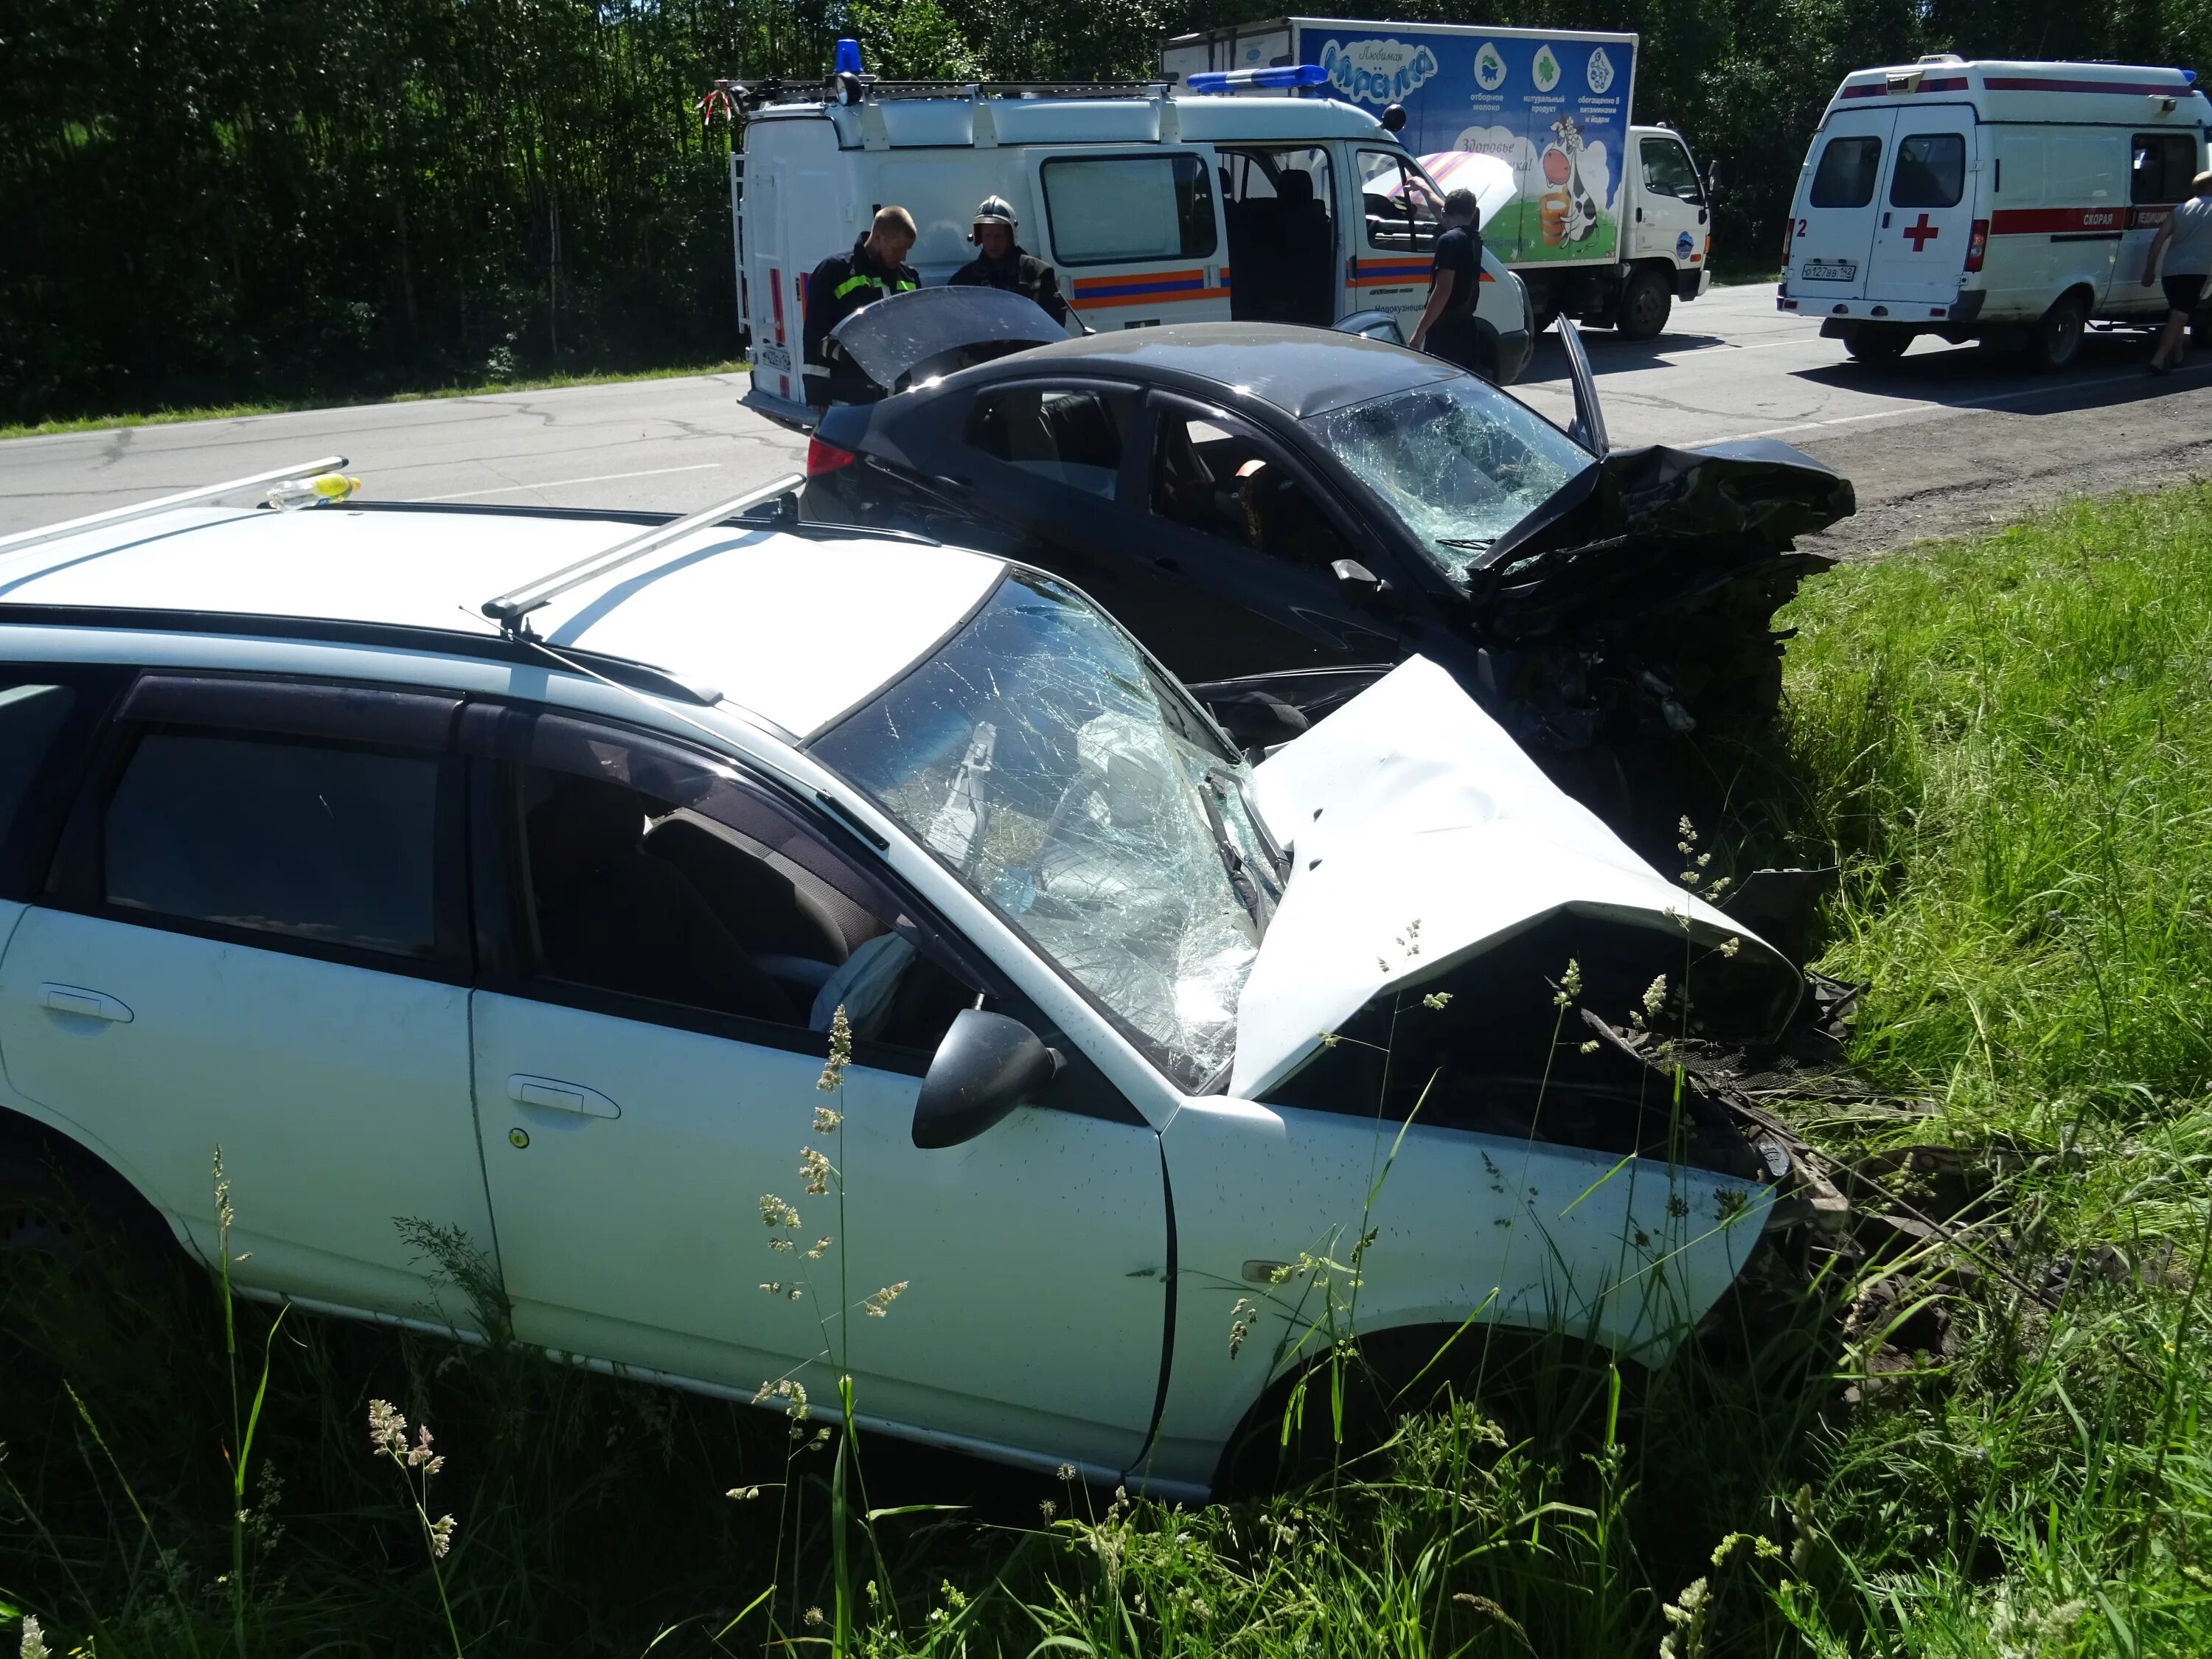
{"x":1832,"y":241}
{"x":1136,"y":232}
{"x":1926,"y":208}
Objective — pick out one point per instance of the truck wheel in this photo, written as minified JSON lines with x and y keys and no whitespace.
{"x":1875,"y":342}
{"x":1645,"y":306}
{"x":2054,"y":340}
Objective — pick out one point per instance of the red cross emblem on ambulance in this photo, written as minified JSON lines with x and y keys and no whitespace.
{"x":1922,"y":233}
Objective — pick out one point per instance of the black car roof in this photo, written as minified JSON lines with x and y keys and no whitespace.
{"x":1300,"y":371}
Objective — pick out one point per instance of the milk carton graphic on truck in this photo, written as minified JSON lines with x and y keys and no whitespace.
{"x":1605,"y":222}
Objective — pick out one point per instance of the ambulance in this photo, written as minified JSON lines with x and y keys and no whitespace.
{"x":2011,"y":203}
{"x":1151,"y":208}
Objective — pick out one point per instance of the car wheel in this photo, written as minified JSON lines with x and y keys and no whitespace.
{"x":2054,"y":340}
{"x":1645,"y":306}
{"x":1541,"y":317}
{"x":2200,"y":330}
{"x":43,"y":1217}
{"x":1873,"y":342}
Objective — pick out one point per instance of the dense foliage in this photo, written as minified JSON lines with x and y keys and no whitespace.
{"x":208,"y":200}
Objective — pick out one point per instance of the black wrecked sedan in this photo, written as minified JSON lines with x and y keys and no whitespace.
{"x":1283,"y":513}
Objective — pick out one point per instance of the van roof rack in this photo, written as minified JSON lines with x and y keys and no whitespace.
{"x":773,"y":94}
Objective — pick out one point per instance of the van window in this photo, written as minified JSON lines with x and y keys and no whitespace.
{"x":2161,"y":167}
{"x":1403,"y":211}
{"x":1845,"y":179}
{"x":1121,"y":207}
{"x":1931,"y":170}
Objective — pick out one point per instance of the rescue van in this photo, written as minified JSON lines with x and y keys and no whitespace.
{"x":1152,"y":209}
{"x":2014,"y":202}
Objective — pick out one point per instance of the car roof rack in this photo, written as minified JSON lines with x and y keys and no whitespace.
{"x":512,"y":609}
{"x":771,"y":94}
{"x":115,"y":515}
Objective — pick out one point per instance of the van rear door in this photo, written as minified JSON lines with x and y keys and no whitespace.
{"x":1137,"y":233}
{"x":1926,"y":207}
{"x":1832,"y":241}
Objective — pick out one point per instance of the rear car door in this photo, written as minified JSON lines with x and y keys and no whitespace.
{"x":1246,"y":542}
{"x":1927,"y":208}
{"x":252,"y":938}
{"x":1831,"y":243}
{"x":665,"y":941}
{"x":1137,"y":234}
{"x":2160,"y":165}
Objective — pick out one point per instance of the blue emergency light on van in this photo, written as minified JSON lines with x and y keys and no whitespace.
{"x":1280,"y":74}
{"x":848,"y":58}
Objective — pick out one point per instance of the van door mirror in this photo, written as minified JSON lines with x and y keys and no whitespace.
{"x":1718,"y":177}
{"x":987,"y":1065}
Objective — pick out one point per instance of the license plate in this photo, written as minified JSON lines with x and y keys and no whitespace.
{"x":775,"y":357}
{"x":1841,"y":270}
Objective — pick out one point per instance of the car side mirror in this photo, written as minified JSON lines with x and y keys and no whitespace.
{"x":987,"y":1065}
{"x":1717,"y":181}
{"x":1359,"y":580}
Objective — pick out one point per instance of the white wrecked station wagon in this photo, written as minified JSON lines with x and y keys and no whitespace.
{"x":531,"y":918}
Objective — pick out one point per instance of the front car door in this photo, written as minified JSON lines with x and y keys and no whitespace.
{"x":1927,"y":208}
{"x":1831,"y":243}
{"x":1670,"y":222}
{"x":1247,"y":544}
{"x":252,"y":940}
{"x":1137,"y":234}
{"x":1401,"y":216}
{"x":667,"y":941}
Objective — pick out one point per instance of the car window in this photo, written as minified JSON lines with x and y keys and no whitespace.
{"x":1119,"y":209}
{"x":1846,"y":176}
{"x":1931,"y":170}
{"x":1209,"y":476}
{"x":1667,"y":171}
{"x":657,"y":877}
{"x":1064,"y":436}
{"x":333,"y":843}
{"x":1404,"y":211}
{"x":2160,"y":167}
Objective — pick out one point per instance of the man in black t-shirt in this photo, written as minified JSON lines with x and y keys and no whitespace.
{"x":1447,"y":327}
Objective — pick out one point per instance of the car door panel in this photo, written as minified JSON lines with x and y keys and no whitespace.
{"x":1028,"y":1308}
{"x":194,"y":981}
{"x":1226,"y":608}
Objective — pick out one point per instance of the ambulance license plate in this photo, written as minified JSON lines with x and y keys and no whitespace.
{"x":1841,"y":270}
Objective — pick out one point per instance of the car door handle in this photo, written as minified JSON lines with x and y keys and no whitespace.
{"x":90,"y":1004}
{"x":551,"y":1094}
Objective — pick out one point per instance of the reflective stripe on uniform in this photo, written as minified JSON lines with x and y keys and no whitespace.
{"x":861,"y":280}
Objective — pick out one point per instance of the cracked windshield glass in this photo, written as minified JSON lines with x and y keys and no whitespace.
{"x":1039,"y":754}
{"x":1459,"y":463}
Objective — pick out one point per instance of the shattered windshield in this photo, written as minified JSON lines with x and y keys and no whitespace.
{"x":1039,"y":754}
{"x":1458,"y":461}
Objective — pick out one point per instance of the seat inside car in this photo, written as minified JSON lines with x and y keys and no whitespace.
{"x":611,"y":914}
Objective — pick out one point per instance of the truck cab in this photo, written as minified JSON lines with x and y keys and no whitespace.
{"x":1152,"y":209}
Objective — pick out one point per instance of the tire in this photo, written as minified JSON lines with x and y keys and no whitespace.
{"x":1874,"y":343}
{"x":1645,"y":305}
{"x":2054,"y":340}
{"x":2200,"y":330}
{"x":43,"y":1217}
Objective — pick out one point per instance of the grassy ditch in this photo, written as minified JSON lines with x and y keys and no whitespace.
{"x":1989,"y":1445}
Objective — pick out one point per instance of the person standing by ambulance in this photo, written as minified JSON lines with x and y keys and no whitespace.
{"x":2186,"y":239}
{"x":1003,"y":264}
{"x":840,"y":286}
{"x":1447,"y":327}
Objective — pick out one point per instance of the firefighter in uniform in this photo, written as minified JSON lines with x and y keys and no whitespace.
{"x":840,"y":286}
{"x":1003,"y":264}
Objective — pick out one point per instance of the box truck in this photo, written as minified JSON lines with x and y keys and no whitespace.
{"x":1604,"y":221}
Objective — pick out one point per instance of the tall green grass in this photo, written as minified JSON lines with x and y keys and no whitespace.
{"x":1989,"y":1448}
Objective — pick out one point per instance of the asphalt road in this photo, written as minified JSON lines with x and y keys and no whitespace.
{"x":1946,"y":441}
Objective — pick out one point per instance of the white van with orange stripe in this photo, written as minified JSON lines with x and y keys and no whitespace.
{"x":1152,"y":208}
{"x":2007,"y":202}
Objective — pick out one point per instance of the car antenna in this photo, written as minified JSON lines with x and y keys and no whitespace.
{"x":115,"y":515}
{"x":511,"y":610}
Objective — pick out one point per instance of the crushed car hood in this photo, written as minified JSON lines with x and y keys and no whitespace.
{"x":894,"y":338}
{"x":1421,"y":836}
